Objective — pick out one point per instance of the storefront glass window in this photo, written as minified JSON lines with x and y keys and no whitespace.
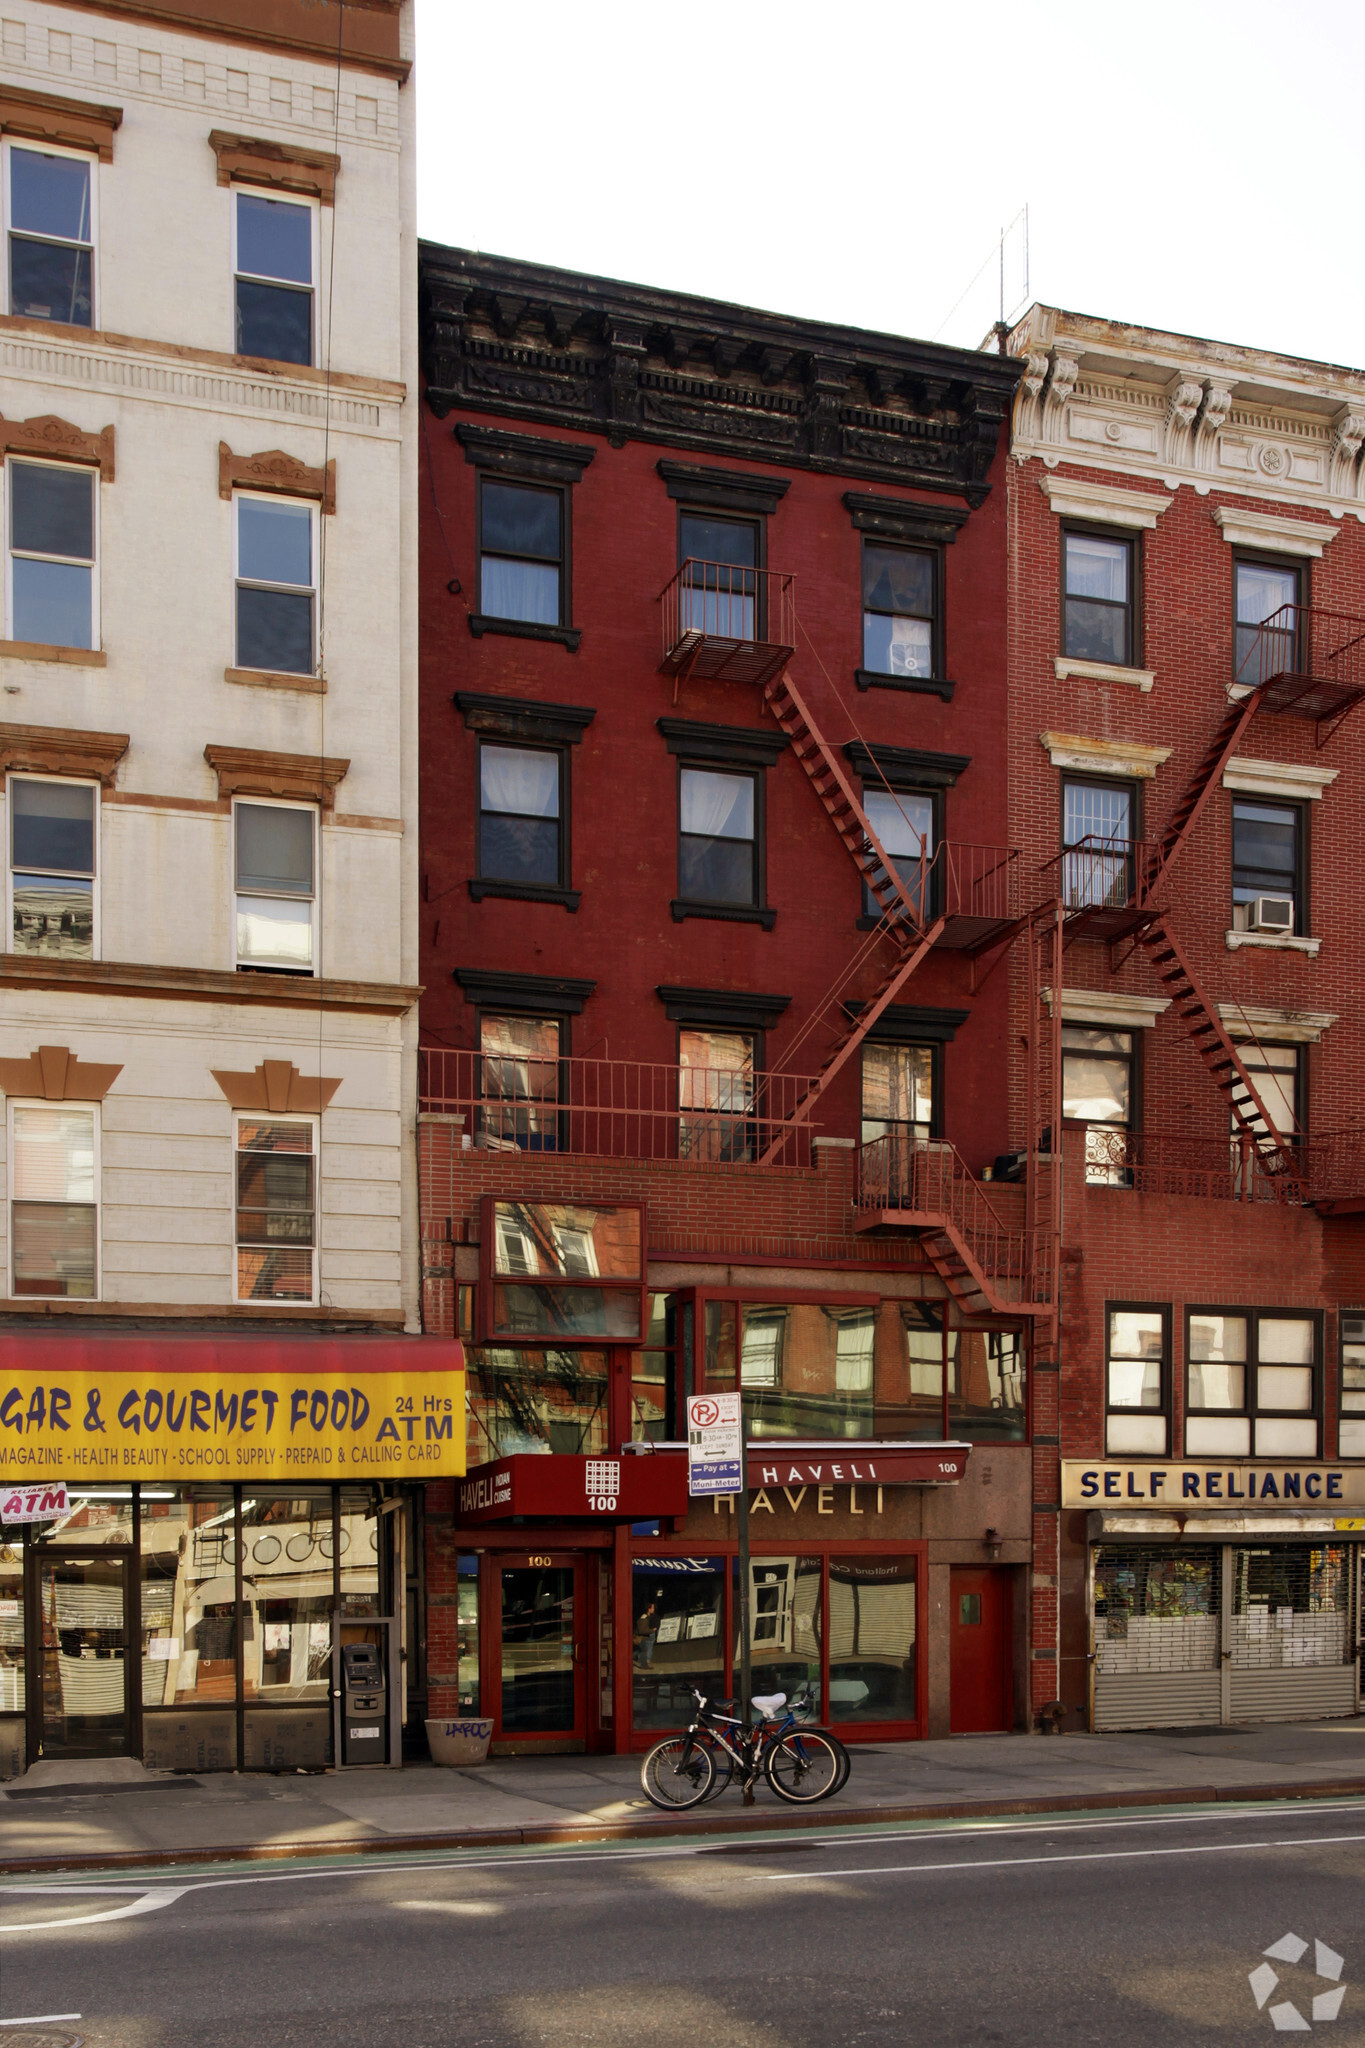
{"x":189,"y":1597}
{"x":910,"y":1368}
{"x":534,"y":1401}
{"x":806,"y":1370}
{"x":785,"y":1625}
{"x":872,"y":1638}
{"x":677,"y":1635}
{"x":96,"y":1515}
{"x":654,"y":1373}
{"x":467,"y":1633}
{"x":359,"y":1547}
{"x":986,"y":1386}
{"x":287,"y":1598}
{"x":11,"y":1625}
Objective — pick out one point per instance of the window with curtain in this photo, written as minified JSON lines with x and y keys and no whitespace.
{"x":54,"y":1206}
{"x":1262,"y":590}
{"x":903,"y":821}
{"x":521,"y":553}
{"x":1098,"y":600}
{"x":520,"y":822}
{"x":276,"y":892}
{"x":717,"y":837}
{"x":716,"y":1071}
{"x":898,"y":610}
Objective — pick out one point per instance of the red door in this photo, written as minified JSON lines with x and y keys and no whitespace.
{"x":538,"y":1696}
{"x":982,"y":1676}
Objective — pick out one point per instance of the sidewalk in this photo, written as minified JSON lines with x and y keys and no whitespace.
{"x":79,"y":1815}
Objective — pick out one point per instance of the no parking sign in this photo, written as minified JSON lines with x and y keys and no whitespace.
{"x":714,"y":1453}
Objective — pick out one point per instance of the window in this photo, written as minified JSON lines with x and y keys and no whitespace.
{"x":50,"y":208}
{"x":1251,"y":1384}
{"x":1261,"y":588}
{"x":276,"y":864}
{"x":717,"y":839}
{"x":274,"y":241}
{"x":521,"y":553}
{"x":276,"y":1222}
{"x":1097,"y":1090}
{"x":561,"y":1273}
{"x":1098,"y":578}
{"x":1266,"y":859}
{"x":521,"y":837}
{"x":898,"y":1093}
{"x":720,"y":594}
{"x":1352,"y":1383}
{"x":52,"y":868}
{"x":903,"y":821}
{"x":521,"y":1083}
{"x":1097,"y":839}
{"x":1138,"y":1381}
{"x":716,"y":1078}
{"x":54,"y":1206}
{"x":899,"y":610}
{"x":1276,"y":1075}
{"x":276,"y":612}
{"x":52,"y":554}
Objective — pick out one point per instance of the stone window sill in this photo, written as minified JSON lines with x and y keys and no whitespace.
{"x":525,"y":892}
{"x":1274,"y":942}
{"x":926,"y":686}
{"x":275,"y":679}
{"x":525,"y":629}
{"x":1104,"y":672}
{"x":731,"y":913}
{"x":38,"y":650}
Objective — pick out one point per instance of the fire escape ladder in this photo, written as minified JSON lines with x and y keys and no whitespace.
{"x":961,"y":1275}
{"x":893,"y":896}
{"x":1205,"y":1029}
{"x":1187,"y":813}
{"x":852,"y":1033}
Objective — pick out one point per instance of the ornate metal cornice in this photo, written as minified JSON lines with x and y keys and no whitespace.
{"x":527,"y":342}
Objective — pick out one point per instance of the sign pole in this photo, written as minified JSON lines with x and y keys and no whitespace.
{"x":746,"y":1676}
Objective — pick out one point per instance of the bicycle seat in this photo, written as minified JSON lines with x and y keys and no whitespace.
{"x":768,"y":1703}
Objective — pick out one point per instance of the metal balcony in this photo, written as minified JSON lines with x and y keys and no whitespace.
{"x":1306,"y":662}
{"x":727,"y":624}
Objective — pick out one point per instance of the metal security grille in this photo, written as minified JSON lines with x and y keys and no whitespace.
{"x":1290,"y":1606}
{"x":1157,"y":1609}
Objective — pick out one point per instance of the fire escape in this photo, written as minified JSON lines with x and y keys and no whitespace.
{"x":728,"y":624}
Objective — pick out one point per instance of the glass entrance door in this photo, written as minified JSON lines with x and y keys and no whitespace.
{"x":544,"y":1682}
{"x":84,"y":1638}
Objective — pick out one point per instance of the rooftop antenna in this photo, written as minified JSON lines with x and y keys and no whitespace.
{"x":1011,"y":258}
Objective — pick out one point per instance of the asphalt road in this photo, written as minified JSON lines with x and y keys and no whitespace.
{"x":1119,"y":1930}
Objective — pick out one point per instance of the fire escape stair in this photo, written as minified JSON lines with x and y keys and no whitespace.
{"x":1187,"y":813}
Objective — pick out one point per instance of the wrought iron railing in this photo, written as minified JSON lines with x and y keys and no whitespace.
{"x":1099,"y":873}
{"x":908,"y":1173}
{"x":618,"y":1109}
{"x":1234,"y":1169}
{"x":726,"y":601}
{"x":1302,"y":640}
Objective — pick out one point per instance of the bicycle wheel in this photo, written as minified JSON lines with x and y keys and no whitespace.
{"x":803,"y":1767}
{"x":723,"y":1765}
{"x":677,"y":1772}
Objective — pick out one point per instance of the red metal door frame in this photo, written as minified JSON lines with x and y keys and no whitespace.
{"x":528,"y":1557}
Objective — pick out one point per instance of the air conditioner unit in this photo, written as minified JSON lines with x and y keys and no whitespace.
{"x":1271,"y":914}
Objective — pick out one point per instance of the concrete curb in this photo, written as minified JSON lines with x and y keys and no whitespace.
{"x":738,"y":1821}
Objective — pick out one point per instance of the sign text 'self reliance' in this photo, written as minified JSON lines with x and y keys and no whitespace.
{"x":155,"y":1424}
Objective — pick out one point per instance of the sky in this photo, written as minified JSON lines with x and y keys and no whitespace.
{"x":1197,"y":166}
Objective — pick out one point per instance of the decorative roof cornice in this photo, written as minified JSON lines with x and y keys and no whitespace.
{"x":629,"y":362}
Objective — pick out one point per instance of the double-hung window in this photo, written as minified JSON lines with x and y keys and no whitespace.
{"x":54,"y":1200}
{"x":1099,"y":573}
{"x":1137,"y":1380}
{"x":718,"y":837}
{"x":903,"y":820}
{"x":50,"y":222}
{"x":275,"y":875}
{"x":1277,"y":1075}
{"x":1097,"y":1090}
{"x":898,"y":1093}
{"x":716,"y":1084}
{"x":521,"y":816}
{"x":1352,"y":1443}
{"x":1252,"y":1381}
{"x":277,"y":1209}
{"x":275,"y":268}
{"x":521,"y":553}
{"x":276,"y":579}
{"x":720,"y":595}
{"x":52,"y":867}
{"x":53,"y":595}
{"x":1097,"y":841}
{"x":1261,"y":591}
{"x":522,"y":1082}
{"x":899,"y":609}
{"x":1267,"y":860}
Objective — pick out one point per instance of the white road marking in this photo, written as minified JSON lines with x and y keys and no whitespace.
{"x":150,"y":1902}
{"x":40,"y":2019}
{"x":1019,"y":1862}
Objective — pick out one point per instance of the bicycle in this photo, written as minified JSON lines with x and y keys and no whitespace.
{"x":801,"y":1764}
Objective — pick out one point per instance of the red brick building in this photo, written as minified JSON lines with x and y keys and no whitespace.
{"x":1187,"y":606}
{"x":714,"y":740}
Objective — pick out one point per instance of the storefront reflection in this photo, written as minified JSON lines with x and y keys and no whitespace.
{"x":872,"y":1638}
{"x":785,"y":1625}
{"x":678,"y":1636}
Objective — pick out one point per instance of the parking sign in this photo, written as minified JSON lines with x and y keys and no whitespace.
{"x":713,"y":1444}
